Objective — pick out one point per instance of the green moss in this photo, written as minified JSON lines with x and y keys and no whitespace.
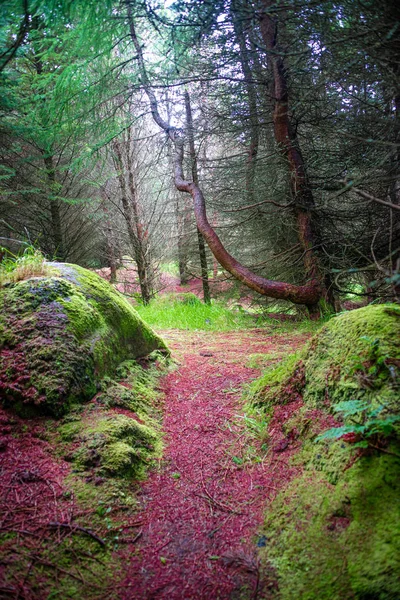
{"x":334,"y":531}
{"x":60,"y":335}
{"x":109,"y":444}
{"x":112,"y":444}
{"x":270,"y":388}
{"x":68,"y":564}
{"x":355,"y":352}
{"x":354,"y":355}
{"x":338,"y":541}
{"x":259,"y":360}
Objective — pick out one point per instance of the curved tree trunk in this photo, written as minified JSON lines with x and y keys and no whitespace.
{"x":308,"y":294}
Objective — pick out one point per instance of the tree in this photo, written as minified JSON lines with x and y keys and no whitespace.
{"x":308,"y":294}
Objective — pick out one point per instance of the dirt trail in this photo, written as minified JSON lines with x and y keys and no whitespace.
{"x":203,"y":507}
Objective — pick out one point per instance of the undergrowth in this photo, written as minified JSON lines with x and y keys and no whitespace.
{"x":31,"y":263}
{"x":186,"y":311}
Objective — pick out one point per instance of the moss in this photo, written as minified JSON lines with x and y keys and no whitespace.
{"x":259,"y":360}
{"x":68,"y":564}
{"x":334,"y":531}
{"x":338,"y":541}
{"x":112,"y":444}
{"x":354,"y":354}
{"x":271,"y":387}
{"x":60,"y":335}
{"x":118,"y":445}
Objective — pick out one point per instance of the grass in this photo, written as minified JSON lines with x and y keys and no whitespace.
{"x":185,"y":311}
{"x":181,"y":311}
{"x":31,"y":263}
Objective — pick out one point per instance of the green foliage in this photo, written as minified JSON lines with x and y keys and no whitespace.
{"x":367,"y":423}
{"x":31,"y":263}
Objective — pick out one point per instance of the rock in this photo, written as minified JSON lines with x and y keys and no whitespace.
{"x":356,"y":354}
{"x":60,"y":334}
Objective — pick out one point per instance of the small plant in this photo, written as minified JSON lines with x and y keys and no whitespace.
{"x":15,"y":268}
{"x":367,"y":425}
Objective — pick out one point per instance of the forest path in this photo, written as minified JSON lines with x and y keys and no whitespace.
{"x":203,"y":506}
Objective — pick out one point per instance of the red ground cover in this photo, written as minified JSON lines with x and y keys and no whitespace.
{"x":202,"y":509}
{"x":197,"y":534}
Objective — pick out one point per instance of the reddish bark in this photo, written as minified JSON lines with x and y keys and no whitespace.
{"x":288,"y":144}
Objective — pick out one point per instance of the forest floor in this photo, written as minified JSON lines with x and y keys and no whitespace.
{"x":202,"y":510}
{"x":197,"y":530}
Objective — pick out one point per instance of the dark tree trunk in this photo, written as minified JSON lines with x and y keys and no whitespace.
{"x":182,"y":241}
{"x":59,"y":250}
{"x":135,"y":233}
{"x":289,"y":147}
{"x":202,"y":248}
{"x":111,"y":254}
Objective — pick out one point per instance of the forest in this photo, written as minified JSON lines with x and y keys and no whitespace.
{"x":199,"y":299}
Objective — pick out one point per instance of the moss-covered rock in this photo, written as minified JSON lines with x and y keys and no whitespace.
{"x":334,"y":530}
{"x":113,"y":444}
{"x":356,"y":354}
{"x":336,"y":542}
{"x":59,"y":335}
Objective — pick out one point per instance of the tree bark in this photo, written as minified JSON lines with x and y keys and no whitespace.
{"x":289,"y":147}
{"x":59,"y":250}
{"x":133,"y":225}
{"x":202,"y":248}
{"x":182,"y":235}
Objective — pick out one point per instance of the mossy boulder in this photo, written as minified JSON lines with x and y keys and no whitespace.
{"x":111,"y":444}
{"x":333,"y":532}
{"x":356,"y":354}
{"x":338,"y":541}
{"x":60,"y":335}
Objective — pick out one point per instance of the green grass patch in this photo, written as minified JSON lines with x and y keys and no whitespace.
{"x":31,"y":263}
{"x":186,"y":311}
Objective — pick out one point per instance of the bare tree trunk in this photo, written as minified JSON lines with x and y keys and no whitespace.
{"x":54,"y":210}
{"x":182,"y":240}
{"x":135,"y":233}
{"x":308,"y":294}
{"x":202,"y":248}
{"x":110,"y":240}
{"x":51,"y":176}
